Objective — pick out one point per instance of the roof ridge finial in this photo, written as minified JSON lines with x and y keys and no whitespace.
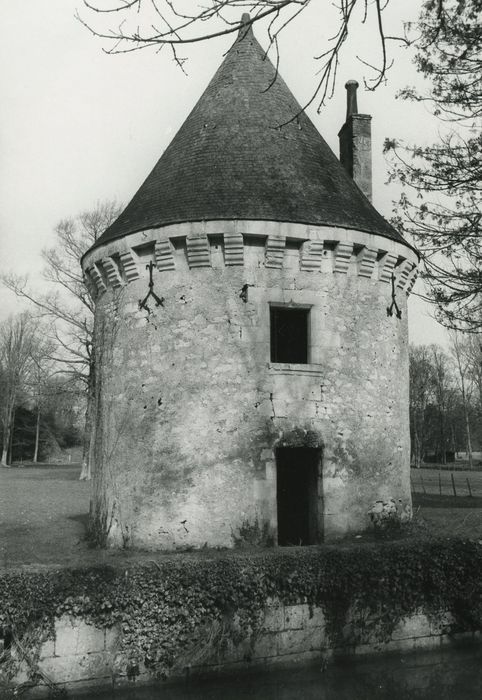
{"x":351,"y":103}
{"x":245,"y":25}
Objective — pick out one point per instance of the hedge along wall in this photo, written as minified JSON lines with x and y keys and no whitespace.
{"x":162,"y":617}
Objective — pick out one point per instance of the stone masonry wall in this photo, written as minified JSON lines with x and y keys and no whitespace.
{"x":356,"y":151}
{"x":190,"y":409}
{"x":80,"y":656}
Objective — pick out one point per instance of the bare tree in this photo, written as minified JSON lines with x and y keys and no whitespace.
{"x":443,"y":392}
{"x":67,"y":305}
{"x":133,"y":25}
{"x":441,"y":205}
{"x":459,"y":348}
{"x":43,"y":368}
{"x":421,"y":393}
{"x":473,"y":349}
{"x":17,"y":340}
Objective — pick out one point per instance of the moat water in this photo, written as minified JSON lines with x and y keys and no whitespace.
{"x":454,"y":674}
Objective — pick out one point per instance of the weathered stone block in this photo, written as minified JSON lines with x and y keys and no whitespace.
{"x":313,"y":618}
{"x":298,"y":641}
{"x":265,"y":645}
{"x":75,"y":637}
{"x":414,"y":626}
{"x":47,"y":649}
{"x":294,"y":617}
{"x":274,"y":619}
{"x":69,"y":668}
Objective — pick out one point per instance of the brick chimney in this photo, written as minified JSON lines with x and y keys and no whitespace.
{"x":356,"y":142}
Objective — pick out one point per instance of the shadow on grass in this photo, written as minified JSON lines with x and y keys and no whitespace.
{"x":436,"y":501}
{"x":82,"y":518}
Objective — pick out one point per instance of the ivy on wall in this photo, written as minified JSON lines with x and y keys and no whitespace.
{"x":167,"y":609}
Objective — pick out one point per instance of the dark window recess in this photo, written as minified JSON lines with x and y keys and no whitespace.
{"x":289,"y":335}
{"x":297,"y":495}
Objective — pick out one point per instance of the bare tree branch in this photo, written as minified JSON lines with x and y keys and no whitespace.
{"x":160,"y":23}
{"x":67,"y":305}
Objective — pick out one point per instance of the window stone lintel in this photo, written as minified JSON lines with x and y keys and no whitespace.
{"x":310,"y":369}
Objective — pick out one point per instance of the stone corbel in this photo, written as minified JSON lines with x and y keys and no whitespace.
{"x":129,"y":265}
{"x":386,"y":266}
{"x":112,"y":272}
{"x":402,"y":272}
{"x":163,"y":255}
{"x":96,"y":276}
{"x":89,"y":283}
{"x":311,"y":255}
{"x":366,"y":260}
{"x":198,"y":250}
{"x":412,"y":278}
{"x":233,"y":248}
{"x":343,"y":253}
{"x":275,"y":251}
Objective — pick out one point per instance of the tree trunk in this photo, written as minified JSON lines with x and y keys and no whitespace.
{"x":467,"y":422}
{"x":7,"y":420}
{"x":468,"y":438}
{"x":12,"y":430}
{"x":89,"y":431}
{"x":4,"y":455}
{"x":7,"y":434}
{"x":417,"y":450}
{"x":37,"y":436}
{"x":443,"y":440}
{"x":86,"y":471}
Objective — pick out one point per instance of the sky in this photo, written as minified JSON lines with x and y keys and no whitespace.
{"x":79,"y":126}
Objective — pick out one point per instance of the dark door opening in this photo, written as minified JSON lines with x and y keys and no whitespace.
{"x":297,"y":495}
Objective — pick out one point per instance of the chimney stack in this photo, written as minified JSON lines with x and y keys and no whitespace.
{"x":356,"y":142}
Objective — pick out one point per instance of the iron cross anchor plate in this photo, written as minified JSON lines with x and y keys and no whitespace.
{"x":151,"y":293}
{"x":394,"y":304}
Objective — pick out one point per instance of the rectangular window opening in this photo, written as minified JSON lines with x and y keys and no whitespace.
{"x":289,"y":334}
{"x":297,"y":471}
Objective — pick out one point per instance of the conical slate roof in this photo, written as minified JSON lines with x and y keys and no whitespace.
{"x":231,"y":159}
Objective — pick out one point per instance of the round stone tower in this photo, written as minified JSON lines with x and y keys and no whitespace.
{"x":250,"y":331}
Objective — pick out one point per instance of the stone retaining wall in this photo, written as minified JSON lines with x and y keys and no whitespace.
{"x":81,"y":656}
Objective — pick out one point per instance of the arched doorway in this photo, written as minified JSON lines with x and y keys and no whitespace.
{"x":298,"y":472}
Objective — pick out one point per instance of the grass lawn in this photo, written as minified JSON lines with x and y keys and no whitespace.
{"x":43,"y":513}
{"x":449,"y":516}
